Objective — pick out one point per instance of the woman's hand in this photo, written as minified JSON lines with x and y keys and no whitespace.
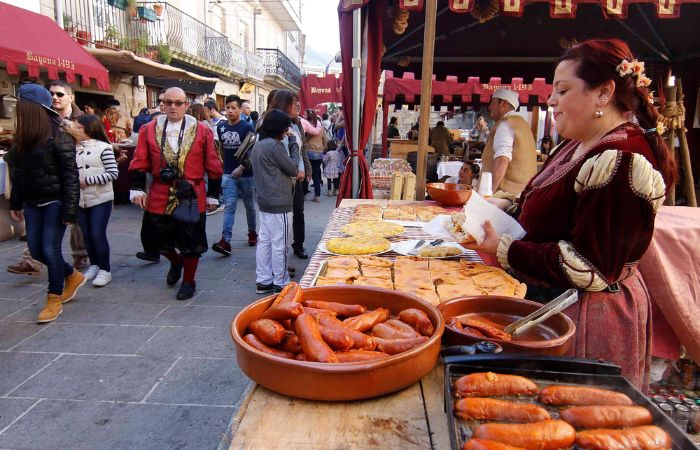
{"x":83,"y":184}
{"x":17,"y":215}
{"x":490,"y":243}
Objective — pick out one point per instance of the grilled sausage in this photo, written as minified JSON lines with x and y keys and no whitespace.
{"x":485,"y":384}
{"x":340,"y":309}
{"x":455,"y":324}
{"x":385,"y":331}
{"x":486,"y":329}
{"x":291,"y":293}
{"x":315,"y":348}
{"x":545,"y":435}
{"x":259,"y":345}
{"x":485,"y":444}
{"x":644,"y":438}
{"x":290,"y":343}
{"x":367,"y":320}
{"x":336,"y":339}
{"x":318,"y":312}
{"x":394,"y":346}
{"x":268,"y":331}
{"x":582,"y":396}
{"x":418,"y":319}
{"x":606,"y":416}
{"x":282,"y":311}
{"x":499,"y":410}
{"x":362,"y":341}
{"x":359,"y":355}
{"x":403,"y":327}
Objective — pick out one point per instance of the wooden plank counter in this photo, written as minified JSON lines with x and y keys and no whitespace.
{"x":413,"y":418}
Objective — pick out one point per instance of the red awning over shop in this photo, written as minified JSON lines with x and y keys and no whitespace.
{"x":315,"y":90}
{"x":35,"y":42}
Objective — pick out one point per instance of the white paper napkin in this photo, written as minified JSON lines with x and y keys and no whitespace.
{"x":437,"y":227}
{"x":477,"y":211}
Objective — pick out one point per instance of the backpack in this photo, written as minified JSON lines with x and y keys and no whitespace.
{"x":243,"y":152}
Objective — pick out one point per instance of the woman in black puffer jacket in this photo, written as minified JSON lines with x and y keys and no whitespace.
{"x":45,"y":191}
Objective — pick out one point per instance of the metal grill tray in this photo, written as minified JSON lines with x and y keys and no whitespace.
{"x":545,"y":371}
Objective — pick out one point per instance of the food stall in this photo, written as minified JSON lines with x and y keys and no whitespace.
{"x":415,"y":415}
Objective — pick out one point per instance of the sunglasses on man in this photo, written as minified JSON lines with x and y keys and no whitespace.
{"x":177,"y":103}
{"x":59,"y":94}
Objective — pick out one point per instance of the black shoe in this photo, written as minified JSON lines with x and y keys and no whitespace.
{"x":301,"y":253}
{"x":264,"y":288}
{"x":186,"y":291}
{"x":146,"y":256}
{"x":174,"y":274}
{"x":277,"y":289}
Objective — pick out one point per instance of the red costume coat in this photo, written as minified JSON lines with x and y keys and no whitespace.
{"x":197,"y":157}
{"x":588,"y":222}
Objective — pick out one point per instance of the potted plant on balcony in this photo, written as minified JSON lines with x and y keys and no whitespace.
{"x":164,"y":55}
{"x":83,"y":36}
{"x":68,"y":24}
{"x":139,"y":45}
{"x":112,"y":36}
{"x":158,"y":8}
{"x":132,"y":8}
{"x":121,"y":4}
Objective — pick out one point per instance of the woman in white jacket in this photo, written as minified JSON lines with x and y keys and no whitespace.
{"x":98,"y":169}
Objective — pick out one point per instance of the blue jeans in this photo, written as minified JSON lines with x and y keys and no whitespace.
{"x":93,"y":221}
{"x":231,"y":188}
{"x":44,"y":236}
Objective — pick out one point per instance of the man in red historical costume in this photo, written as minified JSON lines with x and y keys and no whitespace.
{"x":178,"y":152}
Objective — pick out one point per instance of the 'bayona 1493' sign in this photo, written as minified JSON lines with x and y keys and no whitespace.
{"x":48,"y":61}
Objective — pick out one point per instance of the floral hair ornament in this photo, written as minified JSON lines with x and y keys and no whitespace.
{"x":660,"y":129}
{"x":634,"y":68}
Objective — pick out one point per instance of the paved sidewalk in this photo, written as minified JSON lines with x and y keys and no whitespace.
{"x":127,"y":365}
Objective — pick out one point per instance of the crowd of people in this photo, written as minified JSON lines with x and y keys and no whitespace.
{"x":190,"y":160}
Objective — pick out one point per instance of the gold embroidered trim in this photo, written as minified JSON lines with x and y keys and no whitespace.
{"x":180,"y":158}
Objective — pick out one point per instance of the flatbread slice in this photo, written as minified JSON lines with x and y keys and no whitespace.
{"x":339,"y":272}
{"x":473,"y":268}
{"x":358,"y":245}
{"x":411,"y":263}
{"x":495,"y":279}
{"x":407,"y":212}
{"x":447,"y":291}
{"x":329,"y":281}
{"x":374,"y":282}
{"x":376,"y":272}
{"x":412,"y":281}
{"x":375,"y":261}
{"x":342,"y":262}
{"x":391,"y":213}
{"x":428,"y":295}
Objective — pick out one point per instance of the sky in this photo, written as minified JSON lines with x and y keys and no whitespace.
{"x":320,"y":19}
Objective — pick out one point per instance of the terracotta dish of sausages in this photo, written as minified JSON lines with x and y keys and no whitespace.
{"x":268,"y":331}
{"x":486,"y":384}
{"x":499,"y":410}
{"x":418,"y":320}
{"x":368,"y":320}
{"x":485,"y":328}
{"x":606,"y":416}
{"x":315,"y":348}
{"x":582,"y":396}
{"x":259,"y":345}
{"x":644,"y":438}
{"x":485,"y":444}
{"x":545,"y":435}
{"x":341,"y":309}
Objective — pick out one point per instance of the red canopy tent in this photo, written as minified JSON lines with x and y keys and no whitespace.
{"x":315,"y":90}
{"x":35,"y":42}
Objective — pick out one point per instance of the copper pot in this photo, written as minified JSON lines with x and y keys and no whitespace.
{"x":512,"y":309}
{"x":347,"y":381}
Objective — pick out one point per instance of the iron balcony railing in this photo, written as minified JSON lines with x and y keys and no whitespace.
{"x":277,"y":63}
{"x":159,"y":31}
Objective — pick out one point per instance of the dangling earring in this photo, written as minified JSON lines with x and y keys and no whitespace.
{"x":598,"y":114}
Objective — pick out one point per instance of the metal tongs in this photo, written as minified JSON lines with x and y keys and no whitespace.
{"x":557,"y":305}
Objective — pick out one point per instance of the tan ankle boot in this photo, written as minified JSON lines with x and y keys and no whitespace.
{"x":52,"y":309}
{"x":72,"y":283}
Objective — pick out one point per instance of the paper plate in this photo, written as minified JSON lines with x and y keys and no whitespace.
{"x":403,"y":247}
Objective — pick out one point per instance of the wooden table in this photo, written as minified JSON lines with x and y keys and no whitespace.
{"x":413,"y":418}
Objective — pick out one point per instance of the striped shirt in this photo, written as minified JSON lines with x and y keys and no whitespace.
{"x":108,"y":161}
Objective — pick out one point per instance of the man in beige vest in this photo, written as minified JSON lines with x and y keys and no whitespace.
{"x":510,"y":153}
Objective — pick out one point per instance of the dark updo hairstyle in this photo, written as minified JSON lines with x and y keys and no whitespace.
{"x":598,"y":60}
{"x":275,"y":124}
{"x":93,"y":126}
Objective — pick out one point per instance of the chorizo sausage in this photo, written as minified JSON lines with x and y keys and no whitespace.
{"x":317,"y":312}
{"x":394,"y":346}
{"x":455,"y":324}
{"x":283,"y":311}
{"x":290,"y":343}
{"x":337,"y":340}
{"x":606,"y":416}
{"x":291,"y":293}
{"x":366,"y":321}
{"x":268,"y":331}
{"x":499,"y":410}
{"x":545,"y":435}
{"x":485,"y":384}
{"x":647,"y":437}
{"x":384,"y":331}
{"x":362,"y":341}
{"x":582,"y":396}
{"x":485,"y":444}
{"x":315,"y":348}
{"x":418,"y":319}
{"x":403,"y":326}
{"x":259,"y":345}
{"x":486,"y":329}
{"x":340,"y":309}
{"x":359,"y":355}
